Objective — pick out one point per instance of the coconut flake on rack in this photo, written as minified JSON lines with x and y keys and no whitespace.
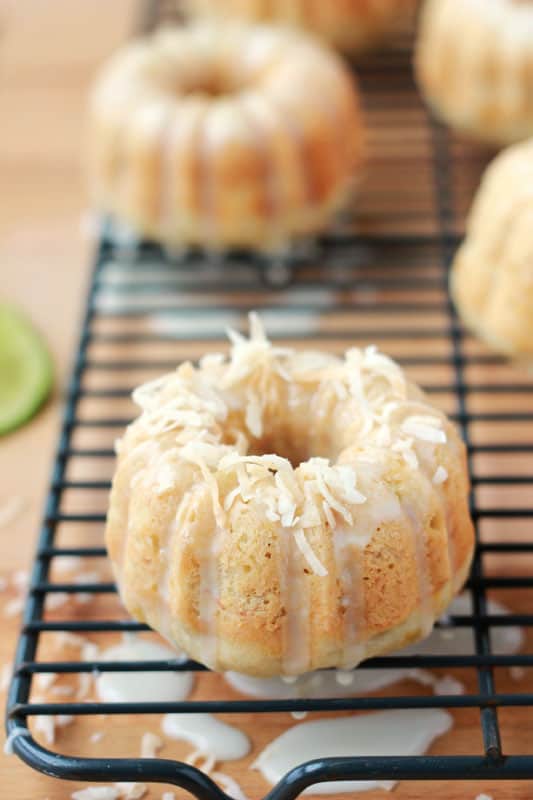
{"x":229,"y":785}
{"x":130,"y":790}
{"x":151,"y":744}
{"x":96,"y":793}
{"x":11,"y":510}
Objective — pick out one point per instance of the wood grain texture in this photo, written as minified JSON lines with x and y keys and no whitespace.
{"x":48,"y":52}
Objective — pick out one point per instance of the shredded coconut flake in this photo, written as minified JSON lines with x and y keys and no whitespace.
{"x":517,"y":673}
{"x":151,"y":744}
{"x":44,"y":680}
{"x":425,"y":428}
{"x":55,"y":600}
{"x":62,"y":720}
{"x":307,"y":552}
{"x":440,"y":476}
{"x":96,"y":793}
{"x":45,"y":726}
{"x":229,"y":785}
{"x":67,"y":564}
{"x":62,"y":691}
{"x":14,"y":607}
{"x":11,"y":510}
{"x":448,"y":685}
{"x":85,"y":685}
{"x":86,"y":577}
{"x":131,"y":791}
{"x":5,"y":676}
{"x":21,"y":579}
{"x":89,"y":650}
{"x":208,"y":760}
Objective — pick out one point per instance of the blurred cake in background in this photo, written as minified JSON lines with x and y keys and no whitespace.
{"x":492,"y":276}
{"x":474,"y":62}
{"x":350,"y":25}
{"x":224,"y":135}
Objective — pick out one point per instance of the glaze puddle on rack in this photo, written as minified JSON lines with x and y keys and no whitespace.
{"x":383,"y":733}
{"x":140,"y":687}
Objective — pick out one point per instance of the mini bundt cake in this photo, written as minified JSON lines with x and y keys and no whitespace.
{"x":224,"y":136}
{"x":350,"y":25}
{"x":492,"y":275}
{"x":474,"y":60}
{"x":276,"y":511}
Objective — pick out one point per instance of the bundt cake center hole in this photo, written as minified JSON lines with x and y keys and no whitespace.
{"x":209,"y":83}
{"x":282,"y":445}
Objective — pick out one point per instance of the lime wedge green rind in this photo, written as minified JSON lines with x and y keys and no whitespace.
{"x":26,"y":371}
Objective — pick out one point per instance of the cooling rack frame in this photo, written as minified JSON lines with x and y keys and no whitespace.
{"x":492,"y":763}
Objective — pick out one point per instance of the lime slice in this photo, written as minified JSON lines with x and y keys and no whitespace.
{"x":25,"y":370}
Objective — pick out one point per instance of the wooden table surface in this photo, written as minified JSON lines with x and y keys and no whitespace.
{"x":48,"y":52}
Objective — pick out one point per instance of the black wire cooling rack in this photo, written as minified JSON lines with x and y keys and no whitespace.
{"x":379,"y":276}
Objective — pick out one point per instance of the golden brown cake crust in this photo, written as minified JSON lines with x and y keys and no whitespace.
{"x":492,"y":274}
{"x":252,"y":564}
{"x":205,"y":136}
{"x":351,"y":25}
{"x":474,"y":63}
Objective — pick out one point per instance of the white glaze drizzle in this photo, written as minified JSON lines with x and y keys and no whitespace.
{"x":325,"y":683}
{"x":380,"y":733}
{"x":212,"y":737}
{"x":353,"y":594}
{"x":295,"y":593}
{"x":131,"y":687}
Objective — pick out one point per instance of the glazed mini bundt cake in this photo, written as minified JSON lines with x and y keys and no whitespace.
{"x":474,"y":60}
{"x":492,"y":275}
{"x":224,"y":135}
{"x":350,"y":25}
{"x":276,"y":511}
